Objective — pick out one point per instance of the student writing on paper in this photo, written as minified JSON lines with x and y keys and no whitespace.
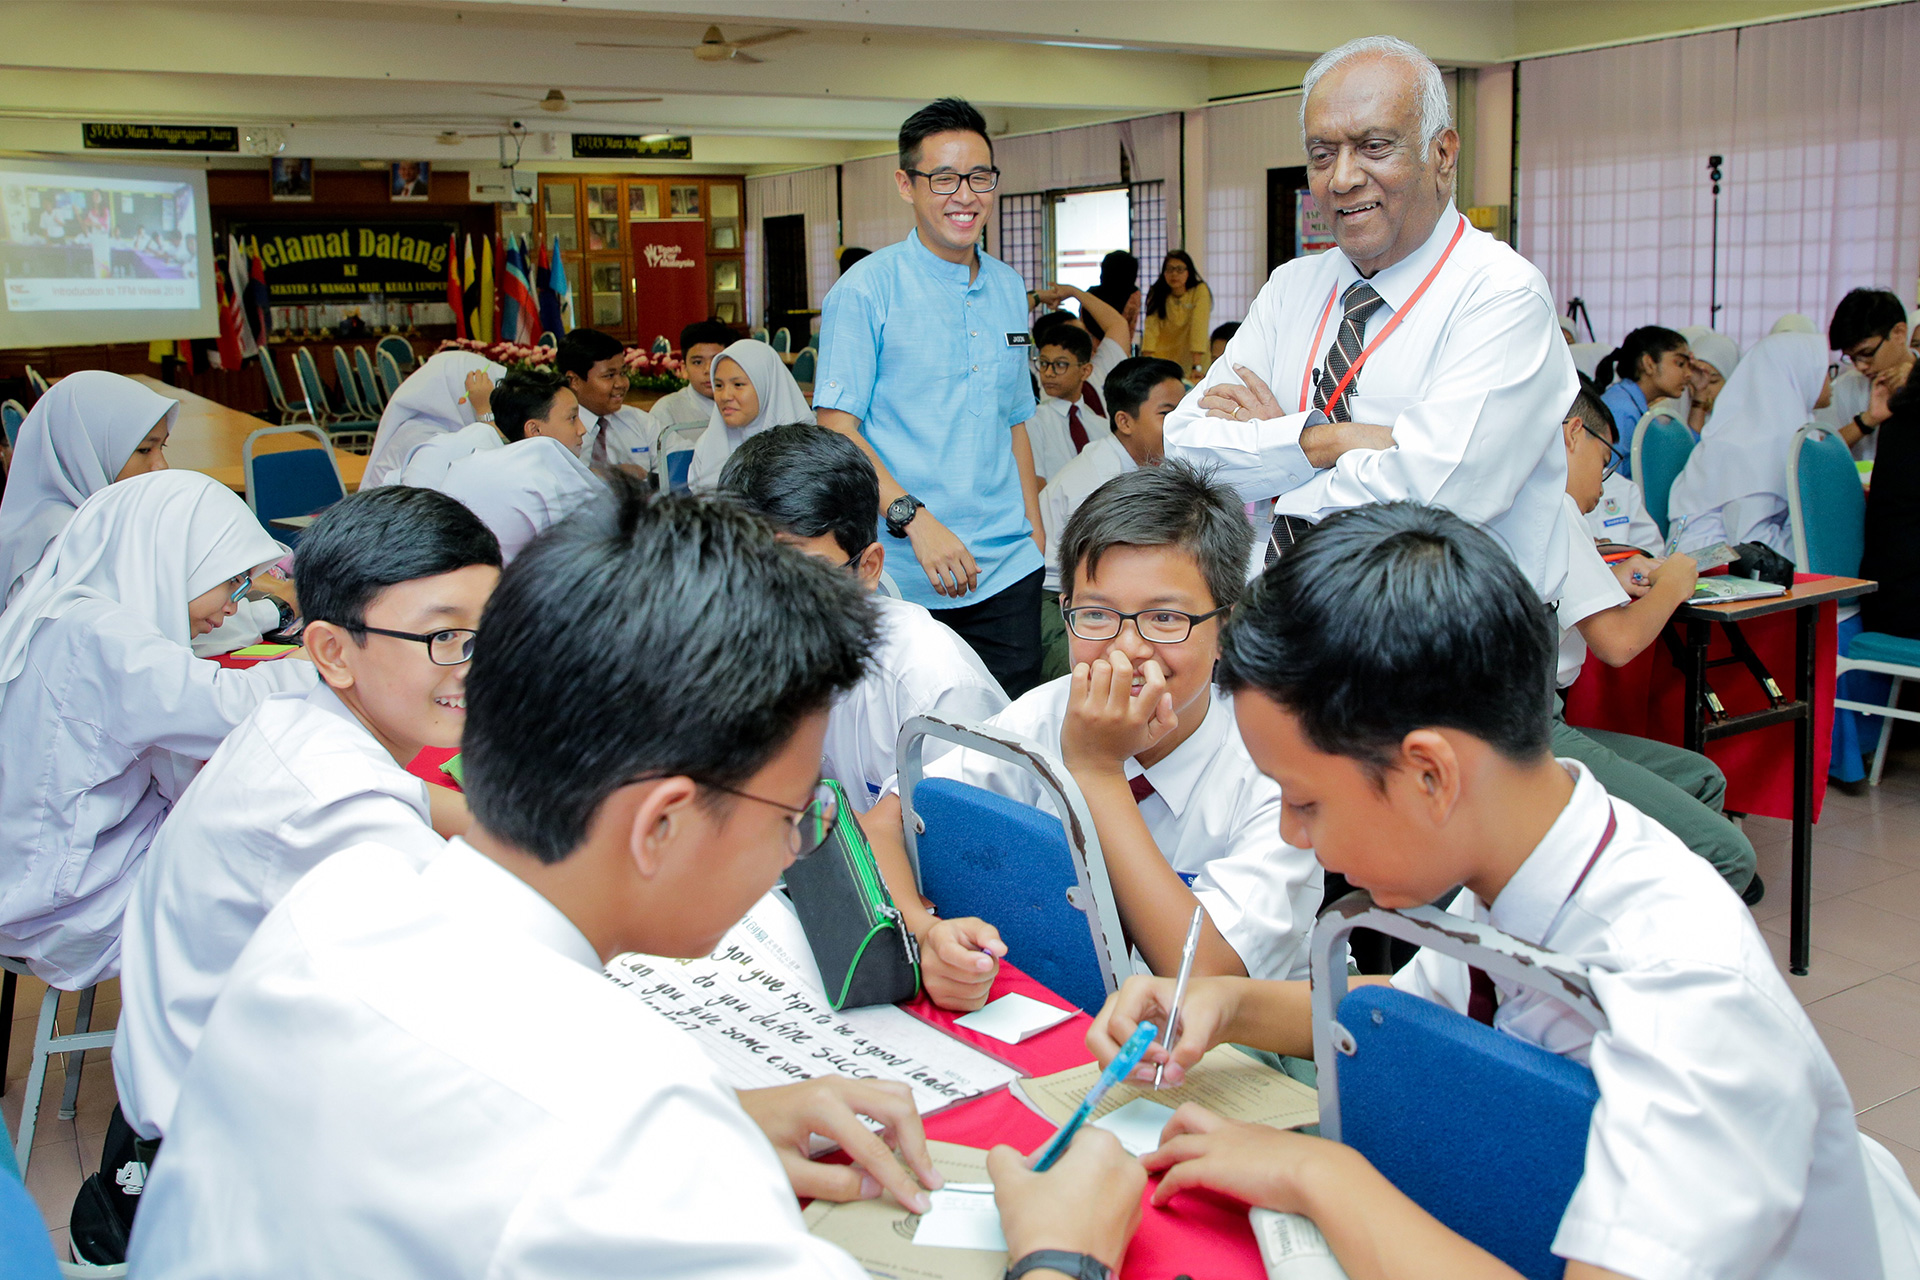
{"x":414,"y":1063}
{"x":1151,"y":562}
{"x":819,"y":492}
{"x":105,"y":713}
{"x":1723,"y":1143}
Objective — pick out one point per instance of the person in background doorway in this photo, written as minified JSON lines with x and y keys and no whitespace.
{"x":1119,"y":288}
{"x":700,"y":345}
{"x":1179,"y":313}
{"x":1217,"y":341}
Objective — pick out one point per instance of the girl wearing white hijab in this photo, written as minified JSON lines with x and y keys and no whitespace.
{"x":91,"y":429}
{"x":105,"y":713}
{"x":1715,"y":357}
{"x":1734,"y":486}
{"x":521,"y":490}
{"x":436,"y":398}
{"x":429,"y":464}
{"x":752,"y":390}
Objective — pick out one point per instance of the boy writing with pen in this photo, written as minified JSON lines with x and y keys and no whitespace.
{"x":1723,"y":1143}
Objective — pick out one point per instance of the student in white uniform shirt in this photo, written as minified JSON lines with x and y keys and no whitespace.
{"x":1153,"y":561}
{"x":381,"y":1081}
{"x":445,"y":394}
{"x":1620,"y":610}
{"x":819,"y":492}
{"x":105,"y":713}
{"x":618,"y":434}
{"x":1870,"y":331}
{"x":1723,"y":1144}
{"x":1111,"y":344}
{"x":1061,"y":425}
{"x":1457,"y":402}
{"x":700,"y":344}
{"x":752,"y":391}
{"x":1141,"y":390}
{"x":524,"y":404}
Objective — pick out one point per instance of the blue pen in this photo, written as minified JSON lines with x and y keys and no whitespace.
{"x":1119,"y":1069}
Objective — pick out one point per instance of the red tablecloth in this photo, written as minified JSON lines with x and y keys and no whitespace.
{"x":1202,"y":1235}
{"x":1646,"y":698}
{"x":426,"y":766}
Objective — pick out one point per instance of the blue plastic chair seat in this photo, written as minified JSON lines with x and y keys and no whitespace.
{"x":293,"y":482}
{"x":1665,"y":446}
{"x":1484,"y":1131}
{"x":1878,"y":646}
{"x":679,"y":463}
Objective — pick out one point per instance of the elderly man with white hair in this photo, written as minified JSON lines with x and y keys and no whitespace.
{"x":1419,"y":359}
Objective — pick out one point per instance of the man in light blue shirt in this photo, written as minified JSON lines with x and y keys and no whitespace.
{"x":924,"y":365}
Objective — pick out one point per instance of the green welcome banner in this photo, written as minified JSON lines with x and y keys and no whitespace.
{"x":317,"y":262}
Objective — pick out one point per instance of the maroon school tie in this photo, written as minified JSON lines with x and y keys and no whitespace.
{"x":1075,"y":428}
{"x":1092,"y":398}
{"x":1140,"y":787}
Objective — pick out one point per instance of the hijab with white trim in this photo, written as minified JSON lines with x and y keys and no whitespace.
{"x":781,"y":402}
{"x":432,"y":401}
{"x":1713,"y":347}
{"x":72,"y":445}
{"x":520,"y":491}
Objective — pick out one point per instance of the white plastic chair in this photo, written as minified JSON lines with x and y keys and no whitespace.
{"x":48,"y":1041}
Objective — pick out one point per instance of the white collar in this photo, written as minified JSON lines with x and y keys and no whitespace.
{"x":1396,"y":283}
{"x":1532,"y":900}
{"x":1176,"y":777}
{"x":475,"y":888}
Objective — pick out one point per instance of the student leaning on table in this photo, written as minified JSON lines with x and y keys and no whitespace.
{"x":429,"y":1064}
{"x":1723,"y":1144}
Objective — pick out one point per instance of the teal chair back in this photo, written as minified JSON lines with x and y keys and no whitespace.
{"x":402,"y":351}
{"x":12,"y":413}
{"x":370,"y":393}
{"x":783,"y":340}
{"x":1661,"y":447}
{"x":1826,"y":507}
{"x":276,"y":390}
{"x":804,"y":365}
{"x":549,"y":339}
{"x":349,"y":390}
{"x":391,"y":374}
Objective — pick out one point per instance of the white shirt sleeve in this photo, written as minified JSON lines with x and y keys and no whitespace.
{"x":1260,"y":892}
{"x":1591,"y":587}
{"x":186,"y":704}
{"x":1261,"y":458}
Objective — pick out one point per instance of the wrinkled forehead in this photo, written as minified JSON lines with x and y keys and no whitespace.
{"x":1364,"y":95}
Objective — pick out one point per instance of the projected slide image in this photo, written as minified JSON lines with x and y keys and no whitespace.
{"x":90,"y":242}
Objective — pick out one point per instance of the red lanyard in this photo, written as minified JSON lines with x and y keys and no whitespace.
{"x":1392,"y":324}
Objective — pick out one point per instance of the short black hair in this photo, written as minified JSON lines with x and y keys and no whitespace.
{"x":1393,"y":617}
{"x":1175,"y":504}
{"x":805,"y":481}
{"x":646,"y":636}
{"x":522,"y":395}
{"x":1050,"y":320}
{"x":943,"y":115}
{"x":853,"y":253}
{"x":1622,"y":364}
{"x":378,"y":538}
{"x":1224,"y":333}
{"x":1134,"y":379}
{"x":1863,"y":314}
{"x":1075,"y":341}
{"x":705,"y":333}
{"x":1592,"y":410}
{"x":582,"y":349}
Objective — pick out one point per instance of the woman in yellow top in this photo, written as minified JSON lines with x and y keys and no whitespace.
{"x":1179,"y":311}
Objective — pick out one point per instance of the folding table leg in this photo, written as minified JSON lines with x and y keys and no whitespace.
{"x":82,"y":1021}
{"x":1799,"y":942}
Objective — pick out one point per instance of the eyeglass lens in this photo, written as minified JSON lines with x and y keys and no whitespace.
{"x":945,"y":184}
{"x":1161,"y":626}
{"x":450,"y":648}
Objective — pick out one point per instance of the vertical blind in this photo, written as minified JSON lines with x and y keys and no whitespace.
{"x":809,"y":192}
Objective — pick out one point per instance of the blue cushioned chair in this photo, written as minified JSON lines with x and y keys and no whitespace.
{"x":804,"y":365}
{"x":1827,"y":512}
{"x":403,"y":357}
{"x":1660,"y":448}
{"x":673,"y":456}
{"x":290,"y":482}
{"x":370,"y":394}
{"x":1484,"y":1131}
{"x":12,"y":413}
{"x":1037,"y":877}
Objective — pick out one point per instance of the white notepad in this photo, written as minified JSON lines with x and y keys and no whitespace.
{"x":1013,"y":1018}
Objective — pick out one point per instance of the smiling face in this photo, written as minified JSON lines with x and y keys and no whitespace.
{"x":949,"y":225}
{"x":561,"y":422}
{"x":699,"y":367}
{"x":1135,"y":579}
{"x":734,"y":394}
{"x":1668,"y":376}
{"x":391,"y":685}
{"x":148,"y":455}
{"x":604,"y":389}
{"x":1364,"y":161}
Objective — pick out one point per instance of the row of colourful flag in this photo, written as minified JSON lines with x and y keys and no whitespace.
{"x":531,"y":293}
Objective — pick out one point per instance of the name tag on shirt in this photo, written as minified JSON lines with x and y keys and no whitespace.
{"x":1020,"y":339}
{"x":1616,"y":520}
{"x":1187,"y":877}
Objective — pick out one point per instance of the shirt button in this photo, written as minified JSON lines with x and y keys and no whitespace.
{"x":976,"y":368}
{"x":975,"y":333}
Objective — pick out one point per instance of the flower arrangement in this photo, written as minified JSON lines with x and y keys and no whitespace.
{"x":645,"y":370}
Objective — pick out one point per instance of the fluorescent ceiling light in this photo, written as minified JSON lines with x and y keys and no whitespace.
{"x":1078,"y":44}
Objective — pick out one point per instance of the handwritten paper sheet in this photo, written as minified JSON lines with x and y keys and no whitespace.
{"x":765,"y":1022}
{"x":1224,"y":1081}
{"x":880,"y":1233}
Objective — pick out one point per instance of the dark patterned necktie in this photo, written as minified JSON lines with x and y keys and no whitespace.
{"x":1092,"y":397}
{"x":1076,"y":429}
{"x":1359,"y":303}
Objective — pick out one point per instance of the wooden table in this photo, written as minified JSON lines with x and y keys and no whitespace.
{"x":1705,"y":720}
{"x":207,"y":437}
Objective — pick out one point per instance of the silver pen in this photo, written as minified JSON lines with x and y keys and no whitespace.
{"x":1180,"y":987}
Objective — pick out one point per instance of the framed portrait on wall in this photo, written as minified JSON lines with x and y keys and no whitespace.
{"x":409,"y":179}
{"x":290,"y":179}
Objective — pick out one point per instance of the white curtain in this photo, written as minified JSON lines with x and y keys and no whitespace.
{"x":809,"y":192}
{"x":1821,"y":174}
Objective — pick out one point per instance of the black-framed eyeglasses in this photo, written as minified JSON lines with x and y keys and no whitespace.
{"x":447,"y":648}
{"x":808,"y":826}
{"x":1054,"y":366}
{"x":1861,"y":359}
{"x":1615,"y":456}
{"x":1156,"y":626}
{"x":946,"y":182}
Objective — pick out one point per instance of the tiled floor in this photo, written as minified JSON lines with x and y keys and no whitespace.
{"x":1863,"y":992}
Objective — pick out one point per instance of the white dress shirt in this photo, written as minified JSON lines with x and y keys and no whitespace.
{"x":1852,"y":393}
{"x":1591,"y":588}
{"x":298,"y":780}
{"x":684,"y":405}
{"x":1724,"y":1142}
{"x":1051,"y":435}
{"x":1214,"y":815}
{"x":424,"y":1073}
{"x":1622,"y":516}
{"x":99,"y":736}
{"x":920,"y":668}
{"x":1099,"y":462}
{"x":1474,"y":382}
{"x":624,"y":437}
{"x":1106,"y":354}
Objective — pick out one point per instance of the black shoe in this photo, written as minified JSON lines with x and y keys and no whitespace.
{"x":1756,"y":889}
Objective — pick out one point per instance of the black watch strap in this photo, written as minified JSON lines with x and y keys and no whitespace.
{"x":1866,"y":428}
{"x":1083,"y":1266}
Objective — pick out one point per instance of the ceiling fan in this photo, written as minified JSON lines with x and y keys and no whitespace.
{"x":713,"y":46}
{"x":557,"y":101}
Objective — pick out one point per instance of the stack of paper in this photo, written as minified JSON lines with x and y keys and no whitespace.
{"x":887,"y":1240}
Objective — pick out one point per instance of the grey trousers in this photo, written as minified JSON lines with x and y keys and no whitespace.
{"x":1681,"y":790}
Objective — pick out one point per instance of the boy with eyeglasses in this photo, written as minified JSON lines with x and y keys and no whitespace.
{"x":429,"y":1064}
{"x":1618,"y":611}
{"x":817,"y":490}
{"x":1062,"y":425}
{"x":1870,"y":331}
{"x":1150,"y":564}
